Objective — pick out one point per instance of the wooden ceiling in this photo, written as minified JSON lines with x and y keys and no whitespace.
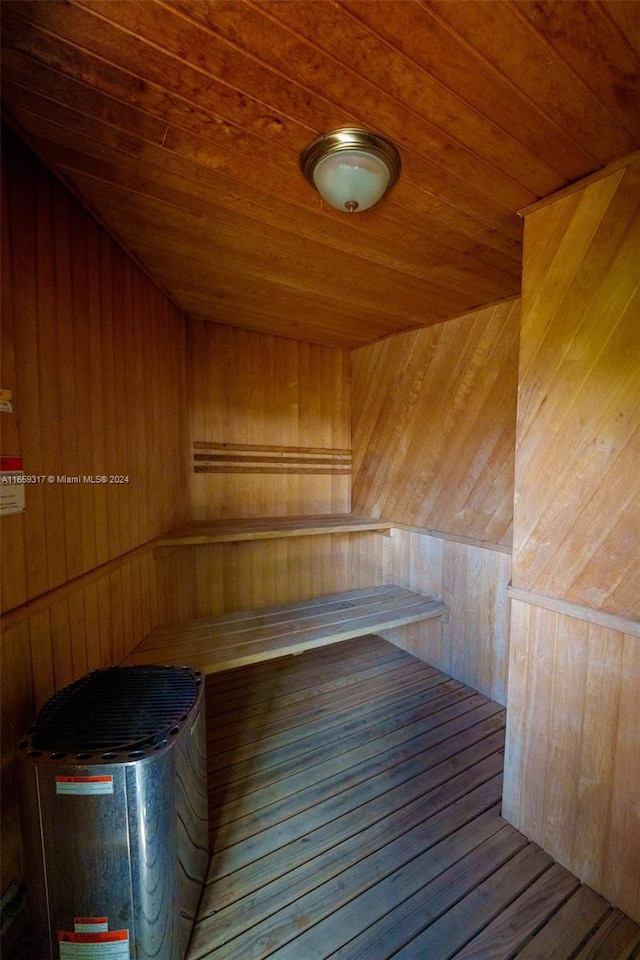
{"x":180,"y":124}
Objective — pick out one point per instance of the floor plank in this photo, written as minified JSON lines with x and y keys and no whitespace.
{"x":514,"y":925}
{"x":313,"y":786}
{"x":617,"y":939}
{"x":355,"y":815}
{"x":401,"y":927}
{"x":564,"y":933}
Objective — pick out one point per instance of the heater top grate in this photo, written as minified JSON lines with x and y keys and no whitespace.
{"x":119,"y":708}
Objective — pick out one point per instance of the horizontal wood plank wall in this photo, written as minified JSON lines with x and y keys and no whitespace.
{"x":434,"y":415}
{"x":474,"y":645}
{"x":95,"y":357}
{"x":257,"y":401}
{"x":573,"y":754}
{"x":211,"y":579}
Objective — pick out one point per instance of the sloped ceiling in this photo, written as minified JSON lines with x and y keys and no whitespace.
{"x":180,"y":124}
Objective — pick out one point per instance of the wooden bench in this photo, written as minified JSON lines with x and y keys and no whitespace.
{"x":234,"y":639}
{"x":269,"y":528}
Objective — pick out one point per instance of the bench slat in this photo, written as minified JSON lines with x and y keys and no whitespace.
{"x":230,"y":624}
{"x":219,"y":643}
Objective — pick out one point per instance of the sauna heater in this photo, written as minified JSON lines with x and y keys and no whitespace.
{"x":114,"y":805}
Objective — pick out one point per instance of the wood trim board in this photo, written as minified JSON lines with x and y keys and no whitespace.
{"x":599,"y":617}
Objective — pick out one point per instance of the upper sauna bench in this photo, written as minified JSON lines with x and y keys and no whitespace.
{"x":270,"y":528}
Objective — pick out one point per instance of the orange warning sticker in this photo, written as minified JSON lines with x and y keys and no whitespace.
{"x":84,"y":786}
{"x":90,"y":924}
{"x":93,"y":945}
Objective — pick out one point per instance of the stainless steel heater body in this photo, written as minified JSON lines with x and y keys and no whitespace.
{"x":114,"y":806}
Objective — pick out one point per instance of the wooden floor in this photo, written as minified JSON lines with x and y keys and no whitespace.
{"x":355,"y":798}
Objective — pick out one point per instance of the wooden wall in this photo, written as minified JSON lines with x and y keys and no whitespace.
{"x":577,"y":477}
{"x":474,"y":645}
{"x":434,"y":425}
{"x":207,"y":580}
{"x":270,"y":436}
{"x":573,"y":753}
{"x":270,"y":425}
{"x":94,"y":355}
{"x":434,"y":417}
{"x":572,"y":768}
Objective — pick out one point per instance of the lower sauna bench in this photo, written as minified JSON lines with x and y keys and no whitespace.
{"x":211,"y":644}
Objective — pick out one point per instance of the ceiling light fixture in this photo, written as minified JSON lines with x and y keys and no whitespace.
{"x":351,"y":168}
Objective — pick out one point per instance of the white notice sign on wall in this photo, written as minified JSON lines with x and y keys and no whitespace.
{"x":12,"y":484}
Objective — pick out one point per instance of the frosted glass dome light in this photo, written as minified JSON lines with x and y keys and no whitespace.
{"x":351,"y":168}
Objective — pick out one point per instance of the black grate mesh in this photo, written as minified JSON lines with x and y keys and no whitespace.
{"x":120,"y":708}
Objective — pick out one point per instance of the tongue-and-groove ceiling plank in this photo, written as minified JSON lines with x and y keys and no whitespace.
{"x":181,"y":125}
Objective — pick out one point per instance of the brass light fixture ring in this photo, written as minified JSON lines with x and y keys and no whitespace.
{"x":351,"y":138}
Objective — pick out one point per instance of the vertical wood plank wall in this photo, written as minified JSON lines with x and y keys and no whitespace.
{"x":207,"y":580}
{"x":572,"y":765}
{"x":573,"y":751}
{"x":434,"y":415}
{"x":283,"y":409}
{"x":94,"y":355}
{"x":474,"y":645}
{"x":271,"y":436}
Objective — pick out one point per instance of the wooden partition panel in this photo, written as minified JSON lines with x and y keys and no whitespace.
{"x":434,"y":425}
{"x":94,"y":356}
{"x":474,"y":645}
{"x":572,"y":766}
{"x":270,"y":425}
{"x":577,"y":527}
{"x":573,"y":753}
